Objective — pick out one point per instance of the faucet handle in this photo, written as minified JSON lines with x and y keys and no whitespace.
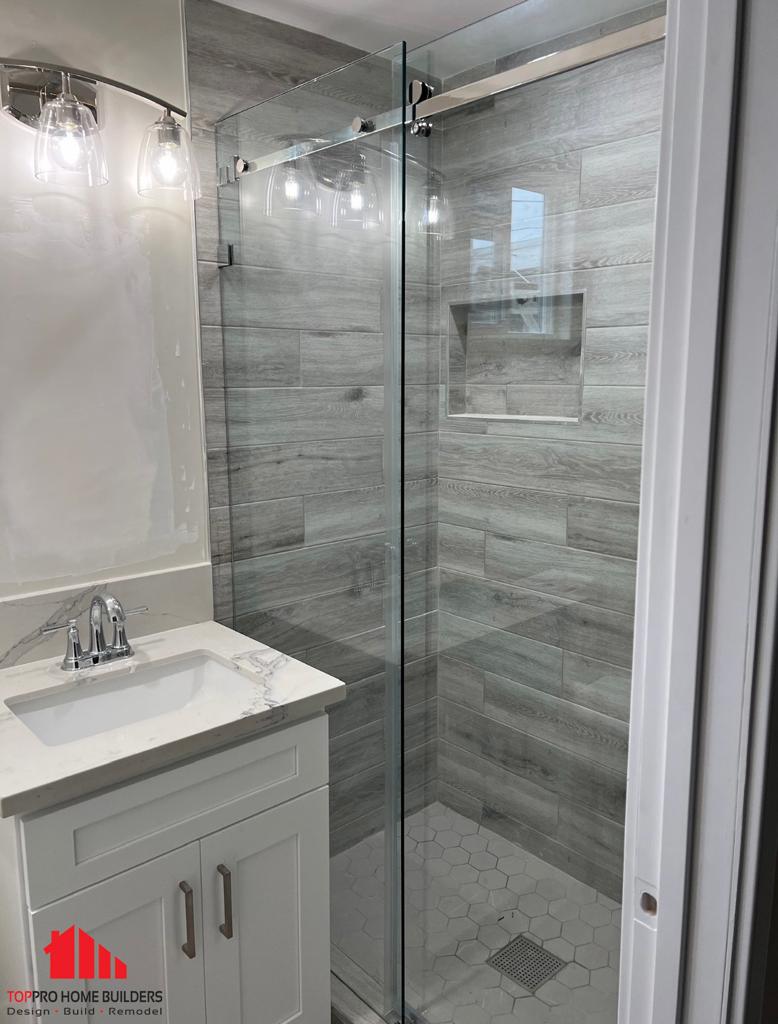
{"x":70,"y":624}
{"x":120,"y":645}
{"x":74,"y":654}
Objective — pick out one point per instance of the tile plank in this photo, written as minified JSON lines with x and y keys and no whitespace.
{"x":585,"y":468}
{"x":484,"y":648}
{"x":212,"y":357}
{"x":313,"y":621}
{"x":272,"y":415}
{"x":596,"y":685}
{"x":261,"y":358}
{"x":282,"y":470}
{"x":589,"y":577}
{"x":461,"y":548}
{"x":620,"y":171}
{"x":513,"y":794}
{"x":604,"y":236}
{"x":615,"y":355}
{"x":268,"y":581}
{"x":461,"y":683}
{"x":296,"y":300}
{"x":539,"y":515}
{"x":336,"y":515}
{"x":607,"y":414}
{"x":596,"y":837}
{"x":544,"y":400}
{"x":607,"y":526}
{"x":588,"y":734}
{"x":334,"y":357}
{"x":550,"y":768}
{"x":266,"y":526}
{"x":582,"y":628}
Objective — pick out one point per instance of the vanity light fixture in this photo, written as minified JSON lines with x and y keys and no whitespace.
{"x":166,"y":162}
{"x":61,"y":104}
{"x":68,"y":149}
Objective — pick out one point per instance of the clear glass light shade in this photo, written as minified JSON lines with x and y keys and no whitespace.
{"x":357,"y":199}
{"x":435,"y":217}
{"x":68,"y":147}
{"x":292,"y":190}
{"x":166,"y":163}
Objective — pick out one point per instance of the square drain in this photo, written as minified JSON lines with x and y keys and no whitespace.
{"x":526,"y":963}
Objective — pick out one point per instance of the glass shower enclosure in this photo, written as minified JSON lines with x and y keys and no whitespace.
{"x":435,"y":281}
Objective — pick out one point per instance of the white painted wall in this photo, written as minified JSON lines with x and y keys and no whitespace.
{"x":101,"y":450}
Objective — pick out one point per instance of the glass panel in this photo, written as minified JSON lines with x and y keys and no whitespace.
{"x":534,"y":288}
{"x":312,"y":304}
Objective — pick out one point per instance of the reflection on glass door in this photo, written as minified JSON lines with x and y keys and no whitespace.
{"x":311,"y":293}
{"x":435,"y":353}
{"x":540,"y":289}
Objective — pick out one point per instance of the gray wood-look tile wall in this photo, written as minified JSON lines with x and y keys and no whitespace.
{"x":521,"y":536}
{"x":293,"y":368}
{"x":538,"y":519}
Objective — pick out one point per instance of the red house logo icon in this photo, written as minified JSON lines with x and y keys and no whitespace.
{"x":94,"y":960}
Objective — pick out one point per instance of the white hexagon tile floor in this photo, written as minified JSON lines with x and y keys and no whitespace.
{"x":468,"y":893}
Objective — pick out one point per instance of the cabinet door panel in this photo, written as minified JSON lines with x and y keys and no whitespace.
{"x":136,"y":919}
{"x":275,"y":968}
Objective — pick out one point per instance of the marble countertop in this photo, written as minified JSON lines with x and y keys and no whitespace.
{"x":35,"y":775}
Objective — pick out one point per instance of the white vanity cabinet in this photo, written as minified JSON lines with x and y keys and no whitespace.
{"x":137,"y":916}
{"x":210,"y":881}
{"x":272,"y":968}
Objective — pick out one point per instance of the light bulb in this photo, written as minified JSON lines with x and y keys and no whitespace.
{"x":435,"y":218}
{"x":291,"y":186}
{"x":292,"y":191}
{"x":69,"y":152}
{"x":168,"y":166}
{"x":357,"y":200}
{"x":166,"y":162}
{"x":68,"y":149}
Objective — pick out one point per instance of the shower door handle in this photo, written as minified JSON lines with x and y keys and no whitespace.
{"x":226,"y":928}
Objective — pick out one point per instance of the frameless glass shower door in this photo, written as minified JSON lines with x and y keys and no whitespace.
{"x":543,"y":134}
{"x":311,"y":287}
{"x":435,"y":328}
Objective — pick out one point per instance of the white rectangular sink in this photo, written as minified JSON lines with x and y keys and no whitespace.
{"x":121,"y":698}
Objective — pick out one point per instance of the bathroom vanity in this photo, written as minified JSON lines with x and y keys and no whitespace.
{"x":173,"y":811}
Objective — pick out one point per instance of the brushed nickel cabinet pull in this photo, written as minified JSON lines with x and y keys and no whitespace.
{"x":226,"y":928}
{"x":189,"y":946}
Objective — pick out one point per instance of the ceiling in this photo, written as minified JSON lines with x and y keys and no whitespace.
{"x":374,"y":24}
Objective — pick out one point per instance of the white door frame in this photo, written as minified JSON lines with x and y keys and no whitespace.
{"x":735,"y":689}
{"x":700,"y":75}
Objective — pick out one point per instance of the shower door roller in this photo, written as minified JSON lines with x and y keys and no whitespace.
{"x":418,"y":92}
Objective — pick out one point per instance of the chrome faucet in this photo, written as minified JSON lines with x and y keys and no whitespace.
{"x":99,"y":652}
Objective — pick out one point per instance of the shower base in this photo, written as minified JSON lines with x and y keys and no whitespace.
{"x":468,"y":893}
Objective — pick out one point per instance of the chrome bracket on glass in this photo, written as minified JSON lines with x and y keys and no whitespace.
{"x":229,"y":173}
{"x":418,"y":92}
{"x":362,"y":125}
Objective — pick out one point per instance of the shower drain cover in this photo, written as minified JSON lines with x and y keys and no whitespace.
{"x":526,"y":963}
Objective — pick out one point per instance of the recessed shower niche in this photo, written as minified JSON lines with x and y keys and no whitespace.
{"x":517,"y":358}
